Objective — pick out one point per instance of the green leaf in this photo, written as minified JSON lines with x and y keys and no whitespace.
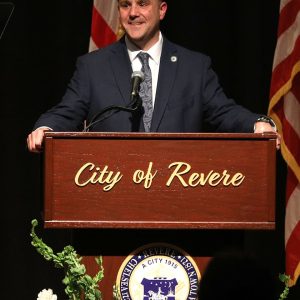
{"x":76,"y":281}
{"x":285,"y":279}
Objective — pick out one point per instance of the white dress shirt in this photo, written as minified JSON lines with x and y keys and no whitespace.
{"x":154,"y":60}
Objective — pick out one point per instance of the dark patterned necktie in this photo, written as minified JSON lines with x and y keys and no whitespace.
{"x":146,"y":90}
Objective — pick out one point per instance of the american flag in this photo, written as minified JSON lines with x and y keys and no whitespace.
{"x":284,"y":108}
{"x":105,"y":24}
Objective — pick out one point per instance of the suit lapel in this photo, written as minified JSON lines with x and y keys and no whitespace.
{"x":166,"y":77}
{"x":122,"y":70}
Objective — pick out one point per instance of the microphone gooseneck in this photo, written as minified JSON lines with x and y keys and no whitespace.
{"x":134,"y":104}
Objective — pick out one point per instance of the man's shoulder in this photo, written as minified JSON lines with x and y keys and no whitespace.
{"x":185,"y":52}
{"x":103,"y":52}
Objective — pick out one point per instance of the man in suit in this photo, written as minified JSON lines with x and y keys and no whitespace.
{"x":183,"y":90}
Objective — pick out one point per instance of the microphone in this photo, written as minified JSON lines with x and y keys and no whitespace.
{"x":136,"y":78}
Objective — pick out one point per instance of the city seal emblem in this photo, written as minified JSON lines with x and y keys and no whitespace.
{"x":158,"y":272}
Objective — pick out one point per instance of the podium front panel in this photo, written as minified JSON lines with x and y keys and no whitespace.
{"x":103,"y":180}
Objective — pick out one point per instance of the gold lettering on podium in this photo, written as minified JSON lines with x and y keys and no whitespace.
{"x":140,"y":176}
{"x":96,"y":175}
{"x":89,"y":173}
{"x":195,"y":179}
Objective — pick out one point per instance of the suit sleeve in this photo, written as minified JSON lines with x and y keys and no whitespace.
{"x":70,"y":113}
{"x":220,"y":112}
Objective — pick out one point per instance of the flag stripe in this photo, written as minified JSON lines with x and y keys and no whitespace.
{"x":283,"y":3}
{"x":105,"y":27}
{"x":107,"y":36}
{"x":292,"y":252}
{"x":292,"y":138}
{"x":292,"y":207}
{"x":288,"y":14}
{"x":291,"y":183}
{"x":287,"y":42}
{"x":284,"y":72}
{"x":292,"y":114}
{"x":284,"y":108}
{"x":92,"y":45}
{"x":289,"y":139}
{"x":109,"y":13}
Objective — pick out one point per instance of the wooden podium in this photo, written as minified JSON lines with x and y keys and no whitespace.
{"x":140,"y":188}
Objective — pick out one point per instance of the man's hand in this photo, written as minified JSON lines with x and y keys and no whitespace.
{"x":35,"y":139}
{"x":261,"y":127}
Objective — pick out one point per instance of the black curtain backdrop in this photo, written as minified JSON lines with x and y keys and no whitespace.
{"x":37,"y":58}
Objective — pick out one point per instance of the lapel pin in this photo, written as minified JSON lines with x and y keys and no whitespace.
{"x":173,"y":58}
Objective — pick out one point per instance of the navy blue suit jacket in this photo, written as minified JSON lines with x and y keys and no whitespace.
{"x":188,"y":94}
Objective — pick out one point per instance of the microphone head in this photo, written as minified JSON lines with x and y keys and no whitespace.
{"x":139,"y":74}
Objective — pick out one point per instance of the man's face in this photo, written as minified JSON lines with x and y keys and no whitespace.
{"x":140,"y":19}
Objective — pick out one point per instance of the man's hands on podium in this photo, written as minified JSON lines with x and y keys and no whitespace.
{"x":36,"y":138}
{"x":261,"y":127}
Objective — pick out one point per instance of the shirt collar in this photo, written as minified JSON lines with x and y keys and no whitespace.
{"x":154,"y":51}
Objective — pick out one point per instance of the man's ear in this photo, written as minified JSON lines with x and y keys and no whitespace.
{"x":163,"y":9}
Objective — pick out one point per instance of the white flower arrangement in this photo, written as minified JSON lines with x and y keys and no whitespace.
{"x":46,"y":295}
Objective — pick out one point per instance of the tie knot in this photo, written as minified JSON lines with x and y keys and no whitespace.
{"x":144,"y":58}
